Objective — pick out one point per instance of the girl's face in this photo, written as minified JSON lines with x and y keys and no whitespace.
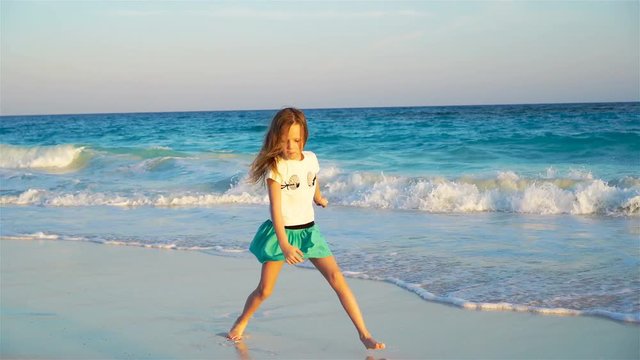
{"x":292,"y":143}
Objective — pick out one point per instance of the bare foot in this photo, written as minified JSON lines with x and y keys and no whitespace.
{"x":371,"y":343}
{"x":235,"y":334}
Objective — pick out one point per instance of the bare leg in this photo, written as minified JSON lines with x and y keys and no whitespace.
{"x":330,"y":270}
{"x":268,"y":277}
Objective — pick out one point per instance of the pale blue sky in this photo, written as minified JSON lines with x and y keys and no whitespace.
{"x":125,"y":56}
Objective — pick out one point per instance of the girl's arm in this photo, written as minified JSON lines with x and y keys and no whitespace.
{"x":317,"y":197}
{"x":292,"y":254}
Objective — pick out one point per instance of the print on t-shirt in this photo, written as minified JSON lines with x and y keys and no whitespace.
{"x":311,"y":178}
{"x":292,"y":184}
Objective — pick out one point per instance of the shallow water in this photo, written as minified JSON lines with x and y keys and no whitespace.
{"x":545,"y":263}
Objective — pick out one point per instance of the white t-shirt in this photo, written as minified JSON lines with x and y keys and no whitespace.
{"x":297,"y":179}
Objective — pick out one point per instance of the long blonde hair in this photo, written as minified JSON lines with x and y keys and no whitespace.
{"x":272,"y":148}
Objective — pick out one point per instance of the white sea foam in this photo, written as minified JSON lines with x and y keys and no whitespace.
{"x":504,"y":306}
{"x":166,"y":246}
{"x":39,"y":157}
{"x":209,"y":199}
{"x":29,"y":197}
{"x":35,"y":236}
{"x":506,"y":192}
{"x":47,"y":198}
{"x":229,"y":250}
{"x":169,"y":246}
{"x":580,"y":174}
{"x":163,"y":246}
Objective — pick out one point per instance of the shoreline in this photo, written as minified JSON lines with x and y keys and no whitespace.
{"x":82,"y":299}
{"x":632,"y":319}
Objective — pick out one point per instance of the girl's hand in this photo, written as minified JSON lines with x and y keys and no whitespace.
{"x":293,"y":255}
{"x":322,"y":202}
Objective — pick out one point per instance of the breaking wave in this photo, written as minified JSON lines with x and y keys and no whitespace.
{"x":506,"y":192}
{"x":55,"y":158}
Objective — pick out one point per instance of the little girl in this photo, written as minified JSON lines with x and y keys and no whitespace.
{"x":291,"y":178}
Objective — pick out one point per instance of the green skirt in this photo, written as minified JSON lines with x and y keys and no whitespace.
{"x":310,"y":241}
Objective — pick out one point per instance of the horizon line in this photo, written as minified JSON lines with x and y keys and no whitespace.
{"x":325,"y":108}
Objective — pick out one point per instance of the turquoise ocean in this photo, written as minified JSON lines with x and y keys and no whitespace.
{"x":532,"y":208}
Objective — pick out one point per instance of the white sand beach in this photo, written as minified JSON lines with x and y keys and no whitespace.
{"x":79,"y":300}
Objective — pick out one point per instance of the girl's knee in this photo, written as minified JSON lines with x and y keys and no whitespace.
{"x":336,"y":280}
{"x":263,"y":292}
